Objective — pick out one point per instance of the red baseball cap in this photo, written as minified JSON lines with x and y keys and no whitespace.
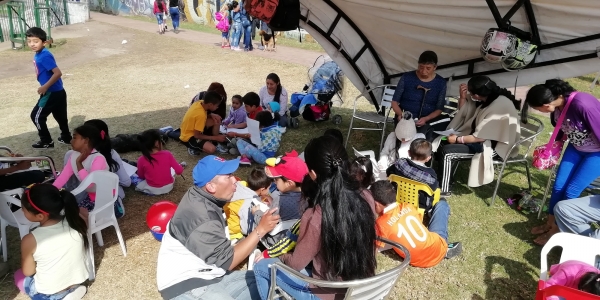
{"x":289,"y":166}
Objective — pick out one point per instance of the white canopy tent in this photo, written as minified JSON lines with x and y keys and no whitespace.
{"x":375,"y":41}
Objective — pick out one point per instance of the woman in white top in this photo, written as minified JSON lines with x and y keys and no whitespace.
{"x":53,"y":256}
{"x":274,"y":92}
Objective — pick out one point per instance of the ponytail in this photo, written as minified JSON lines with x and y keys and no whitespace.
{"x":590,"y":283}
{"x":100,"y":140}
{"x":484,"y":86}
{"x":57,"y":205}
{"x":71,"y":211}
{"x":147,"y":141}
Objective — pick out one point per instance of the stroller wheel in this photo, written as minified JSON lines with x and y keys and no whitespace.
{"x":295,"y":123}
{"x":337,"y":120}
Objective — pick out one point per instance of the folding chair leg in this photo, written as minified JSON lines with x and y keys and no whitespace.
{"x":382,"y":137}
{"x":528,"y":175}
{"x":546,"y":193}
{"x":120,"y":237}
{"x":92,"y":265}
{"x":349,"y":131}
{"x":4,"y":242}
{"x":497,"y":184}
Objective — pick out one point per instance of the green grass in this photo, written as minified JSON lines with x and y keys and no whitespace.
{"x":211,"y":29}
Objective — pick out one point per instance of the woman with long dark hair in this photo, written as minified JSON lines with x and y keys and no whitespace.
{"x":273,"y":91}
{"x":581,"y":159}
{"x":487,"y":125}
{"x":337,"y":232}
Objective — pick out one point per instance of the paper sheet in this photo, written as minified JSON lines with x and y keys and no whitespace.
{"x":447,"y":132}
{"x":254,"y":131}
{"x":225,"y":130}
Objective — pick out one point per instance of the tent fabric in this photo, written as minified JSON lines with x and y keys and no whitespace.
{"x":373,"y":41}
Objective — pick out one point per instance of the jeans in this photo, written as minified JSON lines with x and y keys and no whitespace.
{"x":236,"y":34}
{"x":237,"y":285}
{"x":439,"y":219}
{"x":295,"y":287}
{"x":174,"y":12}
{"x":575,"y":216}
{"x":577,"y":170}
{"x":160,"y":18}
{"x":29,"y":287}
{"x":251,"y":151}
{"x":248,"y":37}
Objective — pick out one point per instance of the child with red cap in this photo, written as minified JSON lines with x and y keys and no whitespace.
{"x":288,"y":171}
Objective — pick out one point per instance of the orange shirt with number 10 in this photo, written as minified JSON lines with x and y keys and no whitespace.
{"x":401,"y":223}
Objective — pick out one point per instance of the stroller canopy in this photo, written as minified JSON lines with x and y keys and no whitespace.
{"x":376,"y":41}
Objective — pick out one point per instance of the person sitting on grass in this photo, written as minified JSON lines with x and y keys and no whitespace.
{"x":270,"y":139}
{"x":193,"y":125}
{"x":155,"y":164}
{"x":53,"y":255}
{"x":401,"y":223}
{"x":196,"y":259}
{"x":252,"y":104}
{"x":415,"y":169}
{"x":237,"y":113}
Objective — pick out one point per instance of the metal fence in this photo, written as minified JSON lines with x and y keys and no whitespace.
{"x":19,"y":15}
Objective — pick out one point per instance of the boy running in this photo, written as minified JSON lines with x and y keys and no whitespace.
{"x":53,"y":98}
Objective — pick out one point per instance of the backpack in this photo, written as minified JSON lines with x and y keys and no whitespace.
{"x":261,"y":9}
{"x":223,"y":23}
{"x":287,"y":16}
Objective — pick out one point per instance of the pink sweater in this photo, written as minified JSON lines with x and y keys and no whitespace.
{"x":158,"y":173}
{"x":568,"y":273}
{"x":99,"y":163}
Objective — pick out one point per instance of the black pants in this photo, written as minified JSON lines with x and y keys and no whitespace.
{"x":446,"y":156}
{"x":17,"y":180}
{"x":54,"y":103}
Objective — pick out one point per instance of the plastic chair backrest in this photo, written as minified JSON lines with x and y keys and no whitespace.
{"x":574,"y":247}
{"x":107,"y":187}
{"x":376,"y":287}
{"x":408,"y":191}
{"x":450,"y":105}
{"x":5,"y":212}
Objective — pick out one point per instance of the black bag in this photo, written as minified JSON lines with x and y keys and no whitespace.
{"x":287,"y":16}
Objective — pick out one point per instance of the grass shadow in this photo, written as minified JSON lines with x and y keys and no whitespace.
{"x":520,"y":284}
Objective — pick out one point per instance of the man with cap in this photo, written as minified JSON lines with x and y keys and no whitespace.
{"x":196,"y":257}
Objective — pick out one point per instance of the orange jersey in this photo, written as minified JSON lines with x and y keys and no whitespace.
{"x":401,"y":223}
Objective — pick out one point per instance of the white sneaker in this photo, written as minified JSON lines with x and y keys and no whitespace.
{"x":76,"y":294}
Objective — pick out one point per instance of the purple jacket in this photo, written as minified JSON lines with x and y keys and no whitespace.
{"x":237,"y":116}
{"x":581,"y":124}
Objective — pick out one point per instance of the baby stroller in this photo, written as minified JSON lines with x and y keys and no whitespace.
{"x":315,"y":101}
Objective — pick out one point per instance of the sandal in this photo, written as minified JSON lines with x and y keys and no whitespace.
{"x":540,"y":229}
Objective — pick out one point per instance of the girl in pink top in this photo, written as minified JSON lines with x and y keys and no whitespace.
{"x":91,"y":152}
{"x":156,"y":165}
{"x":576,"y":275}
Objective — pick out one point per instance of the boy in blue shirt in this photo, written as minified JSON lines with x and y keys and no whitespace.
{"x":53,"y":98}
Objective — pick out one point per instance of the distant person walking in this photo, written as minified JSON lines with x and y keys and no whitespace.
{"x":174,"y":12}
{"x":160,"y":9}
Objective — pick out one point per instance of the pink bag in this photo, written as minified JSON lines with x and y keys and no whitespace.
{"x":547,"y":156}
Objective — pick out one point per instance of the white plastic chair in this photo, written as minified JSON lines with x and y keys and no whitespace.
{"x":285,"y":225}
{"x":376,"y":118}
{"x":574,"y":247}
{"x":103,"y":215}
{"x":376,"y":287}
{"x":15,"y":219}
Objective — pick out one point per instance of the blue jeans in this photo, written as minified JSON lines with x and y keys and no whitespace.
{"x":439,"y":219}
{"x":29,"y":286}
{"x":248,"y":37}
{"x":159,"y":18}
{"x":577,"y":170}
{"x":575,"y":216}
{"x":251,"y":151}
{"x":236,"y":34}
{"x":174,"y":12}
{"x":296,"y":288}
{"x":237,"y":285}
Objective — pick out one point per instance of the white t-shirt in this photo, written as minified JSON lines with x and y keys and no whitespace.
{"x":265,"y":98}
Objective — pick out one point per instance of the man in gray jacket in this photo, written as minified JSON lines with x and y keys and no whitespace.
{"x":196,"y":257}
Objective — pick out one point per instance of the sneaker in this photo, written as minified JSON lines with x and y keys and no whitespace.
{"x":454,"y":249}
{"x":221,"y":149}
{"x":237,"y":49}
{"x":63,"y":141}
{"x":193,"y":151}
{"x":234,"y":151}
{"x":446,"y":194}
{"x":42,"y":145}
{"x":245,"y":161}
{"x":76,"y":294}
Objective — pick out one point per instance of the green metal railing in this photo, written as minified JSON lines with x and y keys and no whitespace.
{"x":19,"y":15}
